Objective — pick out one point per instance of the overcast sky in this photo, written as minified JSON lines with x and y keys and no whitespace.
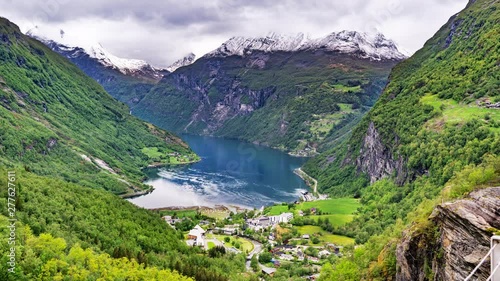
{"x":164,"y":31}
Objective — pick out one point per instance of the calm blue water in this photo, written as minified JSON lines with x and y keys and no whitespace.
{"x":230,"y":172}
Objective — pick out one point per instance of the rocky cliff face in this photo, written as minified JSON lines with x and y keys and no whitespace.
{"x":291,"y":100}
{"x":217,"y":99}
{"x":376,"y":160}
{"x":457,"y":241}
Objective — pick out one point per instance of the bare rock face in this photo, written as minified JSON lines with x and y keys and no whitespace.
{"x":455,"y":243}
{"x":376,"y":160}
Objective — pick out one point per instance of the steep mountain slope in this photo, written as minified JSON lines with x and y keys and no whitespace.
{"x":443,"y":95}
{"x":125,"y":79}
{"x":57,"y":121}
{"x":436,"y":125}
{"x":187,"y":60}
{"x":465,"y":227}
{"x":67,"y":143}
{"x":290,"y":93}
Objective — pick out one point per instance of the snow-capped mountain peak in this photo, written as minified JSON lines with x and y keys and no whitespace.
{"x":97,"y":53}
{"x":375,"y":47}
{"x":273,"y":42}
{"x":107,"y":59}
{"x":187,"y":60}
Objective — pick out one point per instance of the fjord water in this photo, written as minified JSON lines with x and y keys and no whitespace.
{"x":231,"y":172}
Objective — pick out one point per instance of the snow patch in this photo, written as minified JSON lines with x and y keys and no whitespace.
{"x":187,"y":60}
{"x":108,"y":59}
{"x":371,"y":46}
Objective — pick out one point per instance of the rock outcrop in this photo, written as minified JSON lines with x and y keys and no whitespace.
{"x":376,"y":160}
{"x":456,"y":240}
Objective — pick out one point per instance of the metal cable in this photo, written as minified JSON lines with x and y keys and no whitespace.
{"x":494,"y":270}
{"x":480,"y":263}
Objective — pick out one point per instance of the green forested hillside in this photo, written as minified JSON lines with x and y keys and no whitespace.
{"x":296,"y":101}
{"x":439,"y":96}
{"x":71,"y":146}
{"x":435,"y":125}
{"x":106,"y":226}
{"x":57,"y":121}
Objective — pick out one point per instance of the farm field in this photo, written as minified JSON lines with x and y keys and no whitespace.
{"x":324,"y":236}
{"x":345,"y":206}
{"x":246,"y":245}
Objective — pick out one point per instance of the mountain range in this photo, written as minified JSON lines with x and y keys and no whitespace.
{"x":424,"y":161}
{"x":374,"y":47}
{"x":416,"y":140}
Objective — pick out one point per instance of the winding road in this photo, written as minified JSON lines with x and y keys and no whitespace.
{"x":257,"y":248}
{"x":303,"y":175}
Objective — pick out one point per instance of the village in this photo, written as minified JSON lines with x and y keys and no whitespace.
{"x":289,"y":234}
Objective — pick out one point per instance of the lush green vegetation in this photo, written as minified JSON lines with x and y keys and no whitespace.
{"x":432,"y":115}
{"x":324,"y":220}
{"x":45,"y":257}
{"x":239,"y":243}
{"x":58,"y":122}
{"x":341,"y":206}
{"x":323,"y":236}
{"x":331,"y":206}
{"x":376,"y":258}
{"x":277,"y":209}
{"x":71,"y":143}
{"x":101,"y":221}
{"x":301,"y":100}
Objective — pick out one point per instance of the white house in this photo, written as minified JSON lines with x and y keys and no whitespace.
{"x":198,"y":235}
{"x":324,"y":253}
{"x":286,"y":217}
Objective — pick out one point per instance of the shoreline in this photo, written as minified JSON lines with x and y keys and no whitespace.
{"x":140,"y":193}
{"x":137,"y":193}
{"x":228,"y":208}
{"x":311,"y":182}
{"x":307,"y":178}
{"x":159,"y":165}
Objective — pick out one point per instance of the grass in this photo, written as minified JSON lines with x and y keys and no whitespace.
{"x":216,"y":214}
{"x":324,"y":236}
{"x":176,"y":160}
{"x":339,"y":211}
{"x":335,"y":219}
{"x":210,"y":245}
{"x":152,"y":152}
{"x":179,"y":213}
{"x":246,"y":245}
{"x":322,"y":124}
{"x":309,"y":229}
{"x":278,"y":209}
{"x":280,"y":231}
{"x":453,"y":112}
{"x":345,"y":89}
{"x":345,"y":206}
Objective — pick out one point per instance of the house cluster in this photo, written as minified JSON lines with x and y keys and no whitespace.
{"x":196,"y":237}
{"x":268,"y":221}
{"x":227,"y":229}
{"x":171,"y":221}
{"x":290,"y":253}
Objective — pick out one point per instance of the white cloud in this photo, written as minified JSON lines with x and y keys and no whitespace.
{"x":163,"y":31}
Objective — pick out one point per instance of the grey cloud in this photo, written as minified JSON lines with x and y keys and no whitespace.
{"x":161,"y":31}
